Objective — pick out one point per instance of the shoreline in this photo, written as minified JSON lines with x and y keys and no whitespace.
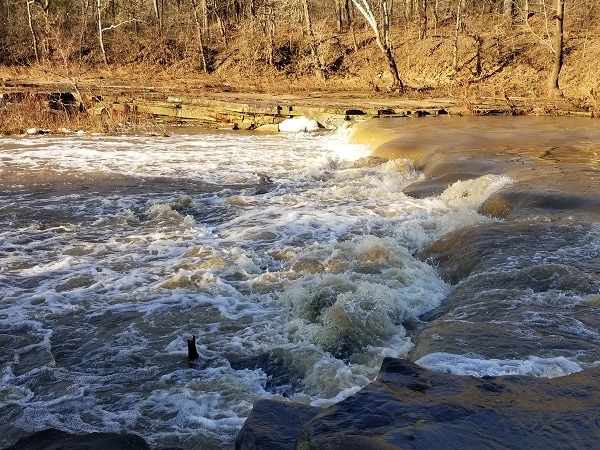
{"x":117,"y":103}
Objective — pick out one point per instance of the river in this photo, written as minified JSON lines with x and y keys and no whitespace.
{"x":298,"y":260}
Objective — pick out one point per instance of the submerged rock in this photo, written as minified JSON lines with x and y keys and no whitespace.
{"x":408,"y":406}
{"x":521,"y":289}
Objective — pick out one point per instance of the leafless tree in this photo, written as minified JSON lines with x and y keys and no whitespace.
{"x":422,"y":18}
{"x":102,"y":29}
{"x":342,"y":14}
{"x":382,"y":36}
{"x":557,"y":47}
{"x":459,"y":9}
{"x":29,"y":3}
{"x":198,"y":21}
{"x":314,"y":49}
{"x":158,"y":13}
{"x":508,"y":9}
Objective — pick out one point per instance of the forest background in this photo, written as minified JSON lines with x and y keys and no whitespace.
{"x":440,"y":48}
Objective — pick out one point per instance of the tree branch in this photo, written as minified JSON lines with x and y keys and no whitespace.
{"x":112,"y":27}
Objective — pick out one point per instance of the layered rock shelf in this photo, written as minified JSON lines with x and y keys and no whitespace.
{"x":258,"y":111}
{"x":410,"y":407}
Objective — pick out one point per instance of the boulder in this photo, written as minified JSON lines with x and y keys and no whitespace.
{"x":52,"y":439}
{"x":274,"y":425}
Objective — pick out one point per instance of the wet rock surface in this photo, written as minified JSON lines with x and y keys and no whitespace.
{"x":513,"y":297}
{"x":52,"y":439}
{"x":274,"y":425}
{"x":408,"y":406}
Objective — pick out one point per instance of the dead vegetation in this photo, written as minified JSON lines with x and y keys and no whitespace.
{"x":482,"y":57}
{"x":41,"y":113}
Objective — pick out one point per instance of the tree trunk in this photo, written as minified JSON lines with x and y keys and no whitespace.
{"x":221,"y":28}
{"x":422,"y":19}
{"x":382,"y":37}
{"x":408,"y":9}
{"x":557,"y":47}
{"x":33,"y":36}
{"x":101,"y":32}
{"x":436,"y":16}
{"x":456,"y":32}
{"x":202,"y":57}
{"x":508,"y":9}
{"x":348,"y":12}
{"x":314,"y":50}
{"x":342,"y":14}
{"x":158,"y":14}
{"x":338,"y":16}
{"x":387,"y":47}
{"x":84,"y":23}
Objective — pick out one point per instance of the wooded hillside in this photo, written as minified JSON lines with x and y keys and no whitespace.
{"x":446,"y":47}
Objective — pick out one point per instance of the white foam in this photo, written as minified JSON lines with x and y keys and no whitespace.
{"x":61,"y":265}
{"x":478,"y":366}
{"x":299,"y":124}
{"x":472,"y":193}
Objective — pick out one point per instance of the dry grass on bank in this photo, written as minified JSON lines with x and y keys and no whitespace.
{"x":32,"y":113}
{"x":493,"y":61}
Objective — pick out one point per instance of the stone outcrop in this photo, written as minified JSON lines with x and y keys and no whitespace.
{"x":249,"y":111}
{"x":408,"y":406}
{"x":52,"y":439}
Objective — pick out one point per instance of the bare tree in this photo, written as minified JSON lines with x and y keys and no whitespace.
{"x":557,"y":48}
{"x":382,"y":36}
{"x":314,"y":49}
{"x":44,"y":5}
{"x":33,"y":36}
{"x":459,"y":10}
{"x":342,"y":13}
{"x":422,"y":18}
{"x":157,"y":6}
{"x":554,"y":40}
{"x":198,"y":21}
{"x":508,"y":9}
{"x":101,"y":32}
{"x":267,"y":19}
{"x":102,"y":29}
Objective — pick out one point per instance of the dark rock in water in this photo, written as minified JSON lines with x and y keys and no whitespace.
{"x":274,"y":425}
{"x":52,"y":439}
{"x":408,"y":406}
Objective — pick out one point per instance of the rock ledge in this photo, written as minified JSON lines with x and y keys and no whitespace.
{"x":408,"y":406}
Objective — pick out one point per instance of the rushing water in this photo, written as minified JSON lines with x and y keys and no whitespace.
{"x":297,"y":261}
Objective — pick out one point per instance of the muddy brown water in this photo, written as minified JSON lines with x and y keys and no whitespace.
{"x":528,"y":283}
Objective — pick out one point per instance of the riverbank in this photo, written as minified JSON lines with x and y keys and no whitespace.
{"x":481,"y":60}
{"x":110,"y":106}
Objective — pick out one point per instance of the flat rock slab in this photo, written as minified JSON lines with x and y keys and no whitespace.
{"x":410,"y":407}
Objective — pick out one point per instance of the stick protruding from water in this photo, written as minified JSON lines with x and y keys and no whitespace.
{"x":192,"y":352}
